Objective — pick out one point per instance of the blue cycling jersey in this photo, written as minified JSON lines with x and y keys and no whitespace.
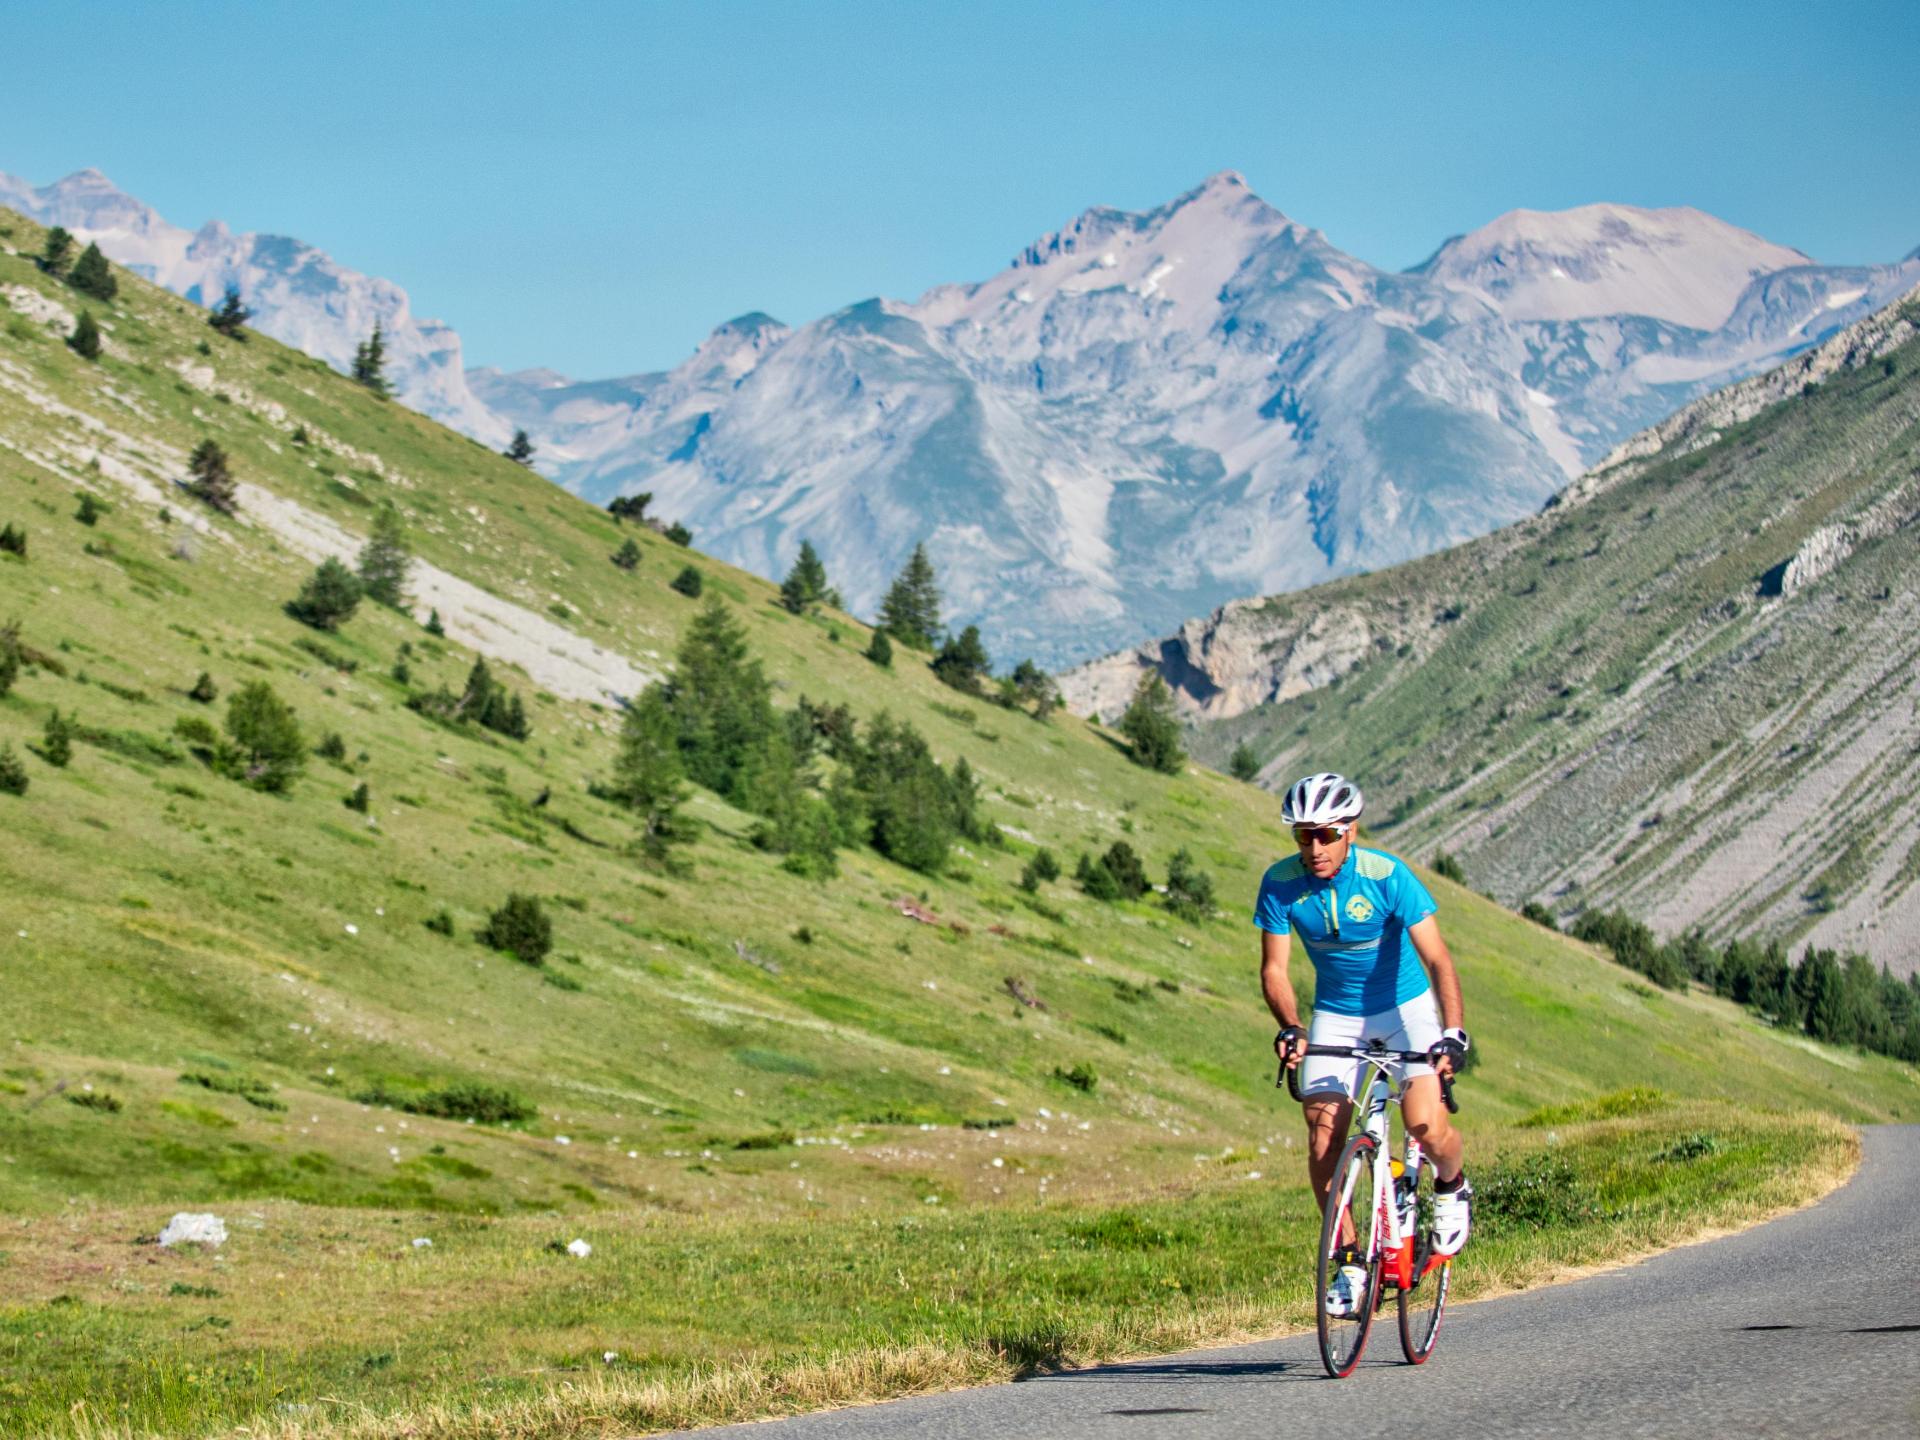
{"x":1354,"y":927}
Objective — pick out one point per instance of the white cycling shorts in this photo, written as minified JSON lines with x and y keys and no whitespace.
{"x":1413,"y":1025}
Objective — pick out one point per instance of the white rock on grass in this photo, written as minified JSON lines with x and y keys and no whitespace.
{"x":190,"y":1229}
{"x":580,"y":1248}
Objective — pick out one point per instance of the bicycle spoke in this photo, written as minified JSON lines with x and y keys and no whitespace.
{"x":1345,"y":1313}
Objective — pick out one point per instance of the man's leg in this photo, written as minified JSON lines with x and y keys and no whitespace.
{"x":1327,"y":1119}
{"x":1427,"y":1122}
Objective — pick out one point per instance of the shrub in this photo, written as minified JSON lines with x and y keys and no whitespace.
{"x":482,"y":1104}
{"x":521,"y":928}
{"x":1448,"y":867}
{"x":204,"y":690}
{"x":1539,"y":914}
{"x":520,"y":449}
{"x":433,"y":625}
{"x":963,"y":661}
{"x":1535,"y":1192}
{"x":227,"y":317}
{"x":269,"y":753}
{"x":679,"y":534}
{"x":384,"y":560}
{"x":1189,"y":890}
{"x":688,"y":583}
{"x":1041,"y":869}
{"x":13,"y":541}
{"x":13,"y":774}
{"x":93,"y":276}
{"x":1243,"y":764}
{"x":332,"y":747}
{"x":90,"y":509}
{"x":880,"y":649}
{"x":440,"y":922}
{"x":57,"y":746}
{"x":10,"y":656}
{"x":58,"y":253}
{"x":255,"y":1092}
{"x":647,"y":772}
{"x":627,"y":557}
{"x":1079,"y":1075}
{"x":1116,"y":875}
{"x":1152,"y":726}
{"x":360,"y":799}
{"x":1095,"y":880}
{"x":99,"y":1100}
{"x":630,"y":507}
{"x":329,"y":598}
{"x":85,"y":339}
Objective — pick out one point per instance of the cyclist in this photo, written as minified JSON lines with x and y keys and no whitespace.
{"x":1368,"y":925}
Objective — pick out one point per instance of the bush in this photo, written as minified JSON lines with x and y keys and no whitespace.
{"x":1243,"y":764}
{"x":1042,"y":868}
{"x":647,"y":772}
{"x":880,"y":649}
{"x":1189,"y":890}
{"x":688,"y":583}
{"x":10,"y":656}
{"x":13,"y":774}
{"x":482,"y":1104}
{"x":385,"y":560}
{"x":85,"y":339}
{"x":1095,"y":880}
{"x":211,"y":480}
{"x":269,"y":752}
{"x":329,"y":598}
{"x":679,"y":534}
{"x":99,"y":1100}
{"x":627,"y":557}
{"x":1116,"y":875}
{"x":89,"y":510}
{"x":204,"y":690}
{"x":1080,"y":1076}
{"x":433,"y":625}
{"x":1536,"y":1192}
{"x":1448,"y":868}
{"x":1539,"y":914}
{"x":13,"y":541}
{"x":521,"y":928}
{"x":963,"y":662}
{"x":93,"y":276}
{"x":332,"y":747}
{"x":440,"y":922}
{"x":360,"y":799}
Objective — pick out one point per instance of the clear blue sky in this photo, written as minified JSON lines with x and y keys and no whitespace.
{"x":594,"y":186}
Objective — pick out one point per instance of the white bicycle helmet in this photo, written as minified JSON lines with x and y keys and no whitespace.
{"x":1323,"y":799}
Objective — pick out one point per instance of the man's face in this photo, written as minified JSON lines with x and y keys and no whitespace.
{"x":1323,"y":848}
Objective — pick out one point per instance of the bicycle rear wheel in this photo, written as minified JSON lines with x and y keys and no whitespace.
{"x":1422,"y":1306}
{"x":1350,"y":1212}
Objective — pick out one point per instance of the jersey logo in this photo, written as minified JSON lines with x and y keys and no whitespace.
{"x":1359,"y":908}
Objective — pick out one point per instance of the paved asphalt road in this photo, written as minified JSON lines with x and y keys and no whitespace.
{"x":1808,"y":1326}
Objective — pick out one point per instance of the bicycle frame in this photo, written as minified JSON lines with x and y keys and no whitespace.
{"x":1392,"y":1238}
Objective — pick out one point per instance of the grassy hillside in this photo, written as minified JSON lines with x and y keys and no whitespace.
{"x":721,"y":1058}
{"x":1690,"y":693}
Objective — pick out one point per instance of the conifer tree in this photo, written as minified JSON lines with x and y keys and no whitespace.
{"x":962,"y":661}
{"x":647,"y":773}
{"x":58,"y":253}
{"x":630,"y":507}
{"x":688,"y":583}
{"x":85,"y":339}
{"x":911,"y":609}
{"x":56,"y":747}
{"x":385,"y":560}
{"x":520,"y":449}
{"x":880,"y":649}
{"x":212,"y":482}
{"x":329,"y":598}
{"x":370,"y":363}
{"x":627,"y":557}
{"x":433,"y":625}
{"x":722,"y":704}
{"x":90,"y":509}
{"x":13,"y":775}
{"x":1244,"y":764}
{"x":204,"y":691}
{"x":93,"y":276}
{"x":1153,"y":727}
{"x":270,"y":753}
{"x":806,"y":584}
{"x":679,"y":534}
{"x":10,"y":656}
{"x":228,"y":317}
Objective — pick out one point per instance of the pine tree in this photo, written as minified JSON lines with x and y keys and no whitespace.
{"x":211,"y":480}
{"x":630,"y":507}
{"x":1153,"y":727}
{"x":880,"y":649}
{"x":385,"y":560}
{"x":722,"y":704}
{"x":85,"y":339}
{"x":520,"y":449}
{"x":963,"y":662}
{"x":204,"y":690}
{"x":806,"y":584}
{"x":329,"y":598}
{"x":360,"y":799}
{"x":10,"y":656}
{"x":627,"y":557}
{"x":479,"y":692}
{"x":13,"y":774}
{"x":647,"y":772}
{"x":688,"y":583}
{"x":911,"y":608}
{"x":1244,"y":764}
{"x":56,"y":748}
{"x":58,"y":253}
{"x":1189,"y":890}
{"x":521,"y":928}
{"x":370,"y":363}
{"x":90,"y":509}
{"x":93,"y":276}
{"x":679,"y":534}
{"x":13,"y":541}
{"x":270,"y":753}
{"x":433,"y":625}
{"x":228,"y":317}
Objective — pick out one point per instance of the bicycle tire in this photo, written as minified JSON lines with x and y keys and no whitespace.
{"x":1423,"y":1307}
{"x":1343,"y":1338}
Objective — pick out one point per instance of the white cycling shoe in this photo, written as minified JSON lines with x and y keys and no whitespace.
{"x":1452,"y":1219}
{"x":1347,"y":1291}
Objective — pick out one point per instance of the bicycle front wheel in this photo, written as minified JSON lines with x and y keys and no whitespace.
{"x":1350,"y":1227}
{"x":1422,"y":1306}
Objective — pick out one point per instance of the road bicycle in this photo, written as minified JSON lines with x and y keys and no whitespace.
{"x":1378,"y":1206}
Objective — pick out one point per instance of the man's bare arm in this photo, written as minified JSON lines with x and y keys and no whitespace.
{"x":1273,"y":978}
{"x":1439,"y":962}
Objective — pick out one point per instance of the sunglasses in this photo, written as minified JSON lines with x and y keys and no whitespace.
{"x":1319,"y":834}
